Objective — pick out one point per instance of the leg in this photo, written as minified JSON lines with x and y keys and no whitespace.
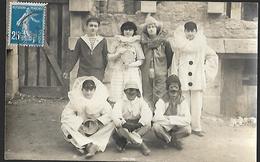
{"x":177,"y":133}
{"x":132,"y":137}
{"x":180,"y":132}
{"x":159,"y":87}
{"x":143,"y":130}
{"x":148,"y":90}
{"x":196,"y":106}
{"x":116,"y":89}
{"x":120,"y":141}
{"x":144,"y":149}
{"x":161,"y":133}
{"x":135,"y":138}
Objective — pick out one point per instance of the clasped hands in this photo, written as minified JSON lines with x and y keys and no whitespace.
{"x":131,"y":126}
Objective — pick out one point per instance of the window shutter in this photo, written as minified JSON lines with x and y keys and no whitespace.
{"x":81,"y":5}
{"x":148,"y":6}
{"x":216,"y":7}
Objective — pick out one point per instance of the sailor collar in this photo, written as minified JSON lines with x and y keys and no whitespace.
{"x":87,"y":41}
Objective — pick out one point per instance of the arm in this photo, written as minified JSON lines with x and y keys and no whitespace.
{"x":117,"y":54}
{"x":211,"y":64}
{"x":113,"y":51}
{"x":169,"y":53}
{"x":183,"y":118}
{"x":174,"y":69}
{"x":136,"y":63}
{"x":33,"y":19}
{"x":70,"y":118}
{"x":146,"y":114}
{"x":73,"y":58}
{"x":104,"y":53}
{"x":139,"y":55}
{"x":18,"y":23}
{"x":117,"y":115}
{"x":175,"y":58}
{"x":105,"y":114}
{"x":159,"y":111}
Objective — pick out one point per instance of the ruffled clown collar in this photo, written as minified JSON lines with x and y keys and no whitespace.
{"x":93,"y":105}
{"x":125,"y":39}
{"x":181,"y":42}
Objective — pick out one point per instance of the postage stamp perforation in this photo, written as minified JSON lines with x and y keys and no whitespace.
{"x":26,"y":25}
{"x":9,"y":23}
{"x":28,"y":3}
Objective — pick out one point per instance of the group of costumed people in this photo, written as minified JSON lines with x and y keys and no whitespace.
{"x":156,"y":84}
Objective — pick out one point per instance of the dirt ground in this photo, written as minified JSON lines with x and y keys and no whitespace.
{"x":33,"y":133}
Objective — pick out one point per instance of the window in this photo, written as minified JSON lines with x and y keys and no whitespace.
{"x":250,"y":72}
{"x":101,"y":6}
{"x":249,"y":11}
{"x":130,"y":7}
{"x":242,"y":10}
{"x":228,"y":9}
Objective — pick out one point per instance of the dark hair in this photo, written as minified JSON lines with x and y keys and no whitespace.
{"x":93,"y":19}
{"x":128,"y":25}
{"x":137,"y":90}
{"x":173,"y":79}
{"x":190,"y":26}
{"x":88,"y":85}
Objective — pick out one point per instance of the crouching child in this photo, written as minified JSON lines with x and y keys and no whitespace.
{"x":171,"y":119}
{"x":86,"y":121}
{"x":132,"y":117}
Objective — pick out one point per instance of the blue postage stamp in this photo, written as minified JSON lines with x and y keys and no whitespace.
{"x":27,"y":24}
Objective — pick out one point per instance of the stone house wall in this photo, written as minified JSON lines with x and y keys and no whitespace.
{"x":225,"y":35}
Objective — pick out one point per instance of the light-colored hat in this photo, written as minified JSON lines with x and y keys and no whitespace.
{"x":131,"y":84}
{"x":151,"y":20}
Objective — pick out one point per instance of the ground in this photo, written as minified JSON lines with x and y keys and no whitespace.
{"x":33,"y":133}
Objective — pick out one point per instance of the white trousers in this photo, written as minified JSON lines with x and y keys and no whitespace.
{"x":194,"y":100}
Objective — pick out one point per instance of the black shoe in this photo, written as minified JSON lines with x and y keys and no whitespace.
{"x":197,"y":133}
{"x":144,"y":149}
{"x":120,"y":142}
{"x":177,"y":144}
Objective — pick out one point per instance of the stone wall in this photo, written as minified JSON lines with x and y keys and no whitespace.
{"x":172,"y":14}
{"x":225,"y":35}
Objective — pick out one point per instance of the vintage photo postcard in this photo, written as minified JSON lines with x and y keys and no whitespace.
{"x":131,"y":80}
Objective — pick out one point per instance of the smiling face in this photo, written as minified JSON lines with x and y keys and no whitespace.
{"x":131,"y":93}
{"x":92,"y":28}
{"x":151,"y":29}
{"x":88,"y":93}
{"x":190,"y":34}
{"x":174,"y":89}
{"x":88,"y":88}
{"x":128,"y":32}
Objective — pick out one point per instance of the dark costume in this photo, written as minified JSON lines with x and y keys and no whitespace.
{"x":92,"y":58}
{"x":158,"y":57}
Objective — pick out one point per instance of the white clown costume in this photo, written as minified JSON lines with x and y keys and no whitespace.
{"x":196,"y":64}
{"x":79,"y":108}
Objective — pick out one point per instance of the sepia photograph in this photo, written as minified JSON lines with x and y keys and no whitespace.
{"x":130,"y":80}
